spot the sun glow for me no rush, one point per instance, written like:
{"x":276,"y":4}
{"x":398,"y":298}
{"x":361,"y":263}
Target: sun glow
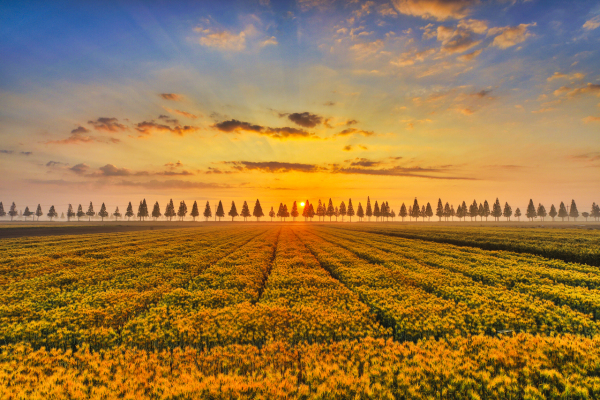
{"x":302,"y":204}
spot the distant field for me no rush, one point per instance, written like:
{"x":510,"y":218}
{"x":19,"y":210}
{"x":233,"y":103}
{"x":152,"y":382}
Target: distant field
{"x":325,"y":311}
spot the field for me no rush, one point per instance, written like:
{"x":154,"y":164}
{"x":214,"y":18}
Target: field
{"x":281,"y":311}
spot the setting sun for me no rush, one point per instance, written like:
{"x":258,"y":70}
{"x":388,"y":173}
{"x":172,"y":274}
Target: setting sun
{"x":302,"y":204}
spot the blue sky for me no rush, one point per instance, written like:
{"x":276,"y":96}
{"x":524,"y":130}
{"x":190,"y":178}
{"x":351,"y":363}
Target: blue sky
{"x":296,"y":99}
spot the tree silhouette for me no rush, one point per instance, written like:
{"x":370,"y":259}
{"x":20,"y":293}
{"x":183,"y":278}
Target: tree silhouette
{"x":531,"y":213}
{"x":336,"y":213}
{"x":257,"y":212}
{"x":439,"y":211}
{"x":330,"y":211}
{"x":541,"y":211}
{"x":452,"y":213}
{"x":156,"y":211}
{"x":552,"y":212}
{"x":272,"y":213}
{"x":393,"y":215}
{"x":359,"y":212}
{"x":507,"y":211}
{"x":27,"y":213}
{"x":403,"y":212}
{"x":220,"y":211}
{"x":447,"y":212}
{"x":182,"y":210}
{"x":562,"y":211}
{"x":2,"y":212}
{"x":429,"y":211}
{"x":369,"y":211}
{"x":233,"y":211}
{"x":128,"y":212}
{"x":62,"y":215}
{"x":117,"y":214}
{"x":573,"y":211}
{"x":480,"y":212}
{"x":497,"y":210}
{"x":416,"y":210}
{"x":90,"y":212}
{"x":70,"y":213}
{"x":285,"y":213}
{"x":13,"y":211}
{"x":280,"y":212}
{"x":305,"y":210}
{"x":38,"y":211}
{"x":350,"y":211}
{"x":376,"y":211}
{"x":80,"y":212}
{"x":321,"y":211}
{"x":410,"y":213}
{"x":245,"y":211}
{"x":473,"y":210}
{"x":52,"y":213}
{"x":295,"y":212}
{"x":195,"y":212}
{"x":311,"y":212}
{"x":103,"y":213}
{"x":170,"y":210}
{"x":423,"y":212}
{"x":207,"y":211}
{"x":486,"y":210}
{"x":143,"y":210}
{"x":585,"y":215}
{"x":343,"y":211}
{"x":595,"y":211}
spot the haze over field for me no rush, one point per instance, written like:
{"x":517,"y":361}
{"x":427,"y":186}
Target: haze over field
{"x":285,"y":101}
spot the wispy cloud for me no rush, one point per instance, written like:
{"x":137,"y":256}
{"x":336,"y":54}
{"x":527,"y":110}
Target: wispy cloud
{"x":435,"y":9}
{"x":509,"y":36}
{"x":171,"y":96}
{"x":235,"y":126}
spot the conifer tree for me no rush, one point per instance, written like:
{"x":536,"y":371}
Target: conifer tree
{"x":439,"y":212}
{"x":403,"y":212}
{"x":318,"y":210}
{"x":103,"y":213}
{"x":359,"y":212}
{"x":27,"y":213}
{"x":585,"y":215}
{"x":245,"y":211}
{"x":507,"y":211}
{"x":70,"y":213}
{"x":459,"y":212}
{"x":541,"y":211}
{"x":573,"y":211}
{"x":38,"y":211}
{"x":62,"y":215}
{"x":410,"y":213}
{"x":497,"y":210}
{"x":350,"y":211}
{"x":13,"y":211}
{"x":280,"y":212}
{"x":311,"y":212}
{"x":294,"y":211}
{"x":447,"y":211}
{"x":195,"y":212}
{"x":343,"y":211}
{"x":480,"y":212}
{"x":322,"y":211}
{"x":429,"y":211}
{"x":90,"y":212}
{"x":207,"y":211}
{"x":128,"y":212}
{"x":330,"y":211}
{"x":272,"y":213}
{"x":140,"y":211}
{"x":562,"y":211}
{"x":52,"y":213}
{"x":143,"y":210}
{"x":117,"y":214}
{"x":423,"y":212}
{"x":388,"y":211}
{"x":170,"y":210}
{"x":376,"y":211}
{"x":486,"y":210}
{"x":518,"y":214}
{"x":285,"y":213}
{"x":552,"y":212}
{"x":80,"y":212}
{"x":531,"y":213}
{"x":305,"y":210}
{"x":595,"y":211}
{"x":2,"y":212}
{"x":258,"y":212}
{"x":156,"y":211}
{"x":452,"y":213}
{"x":220,"y":211}
{"x":369,"y":211}
{"x":392,"y":214}
{"x":233,"y":211}
{"x":416,"y":210}
{"x":473,"y":210}
{"x":336,"y":213}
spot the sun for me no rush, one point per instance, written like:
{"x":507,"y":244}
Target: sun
{"x":302,"y":204}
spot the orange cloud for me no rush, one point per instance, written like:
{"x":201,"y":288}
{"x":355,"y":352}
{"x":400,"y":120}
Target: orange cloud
{"x":171,"y":96}
{"x":509,"y":36}
{"x":435,"y":9}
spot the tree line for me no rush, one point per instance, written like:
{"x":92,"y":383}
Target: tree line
{"x":381,"y":211}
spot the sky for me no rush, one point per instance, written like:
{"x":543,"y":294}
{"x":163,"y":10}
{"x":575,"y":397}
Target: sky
{"x":115,"y":101}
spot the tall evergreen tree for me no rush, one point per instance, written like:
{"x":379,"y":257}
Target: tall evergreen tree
{"x":369,"y":211}
{"x":52,"y":213}
{"x":2,"y":212}
{"x":103,"y":213}
{"x":497,"y":210}
{"x":70,"y":213}
{"x":128,"y":212}
{"x":195,"y":212}
{"x":595,"y":211}
{"x":447,"y":211}
{"x":27,"y":213}
{"x":392,"y":214}
{"x":311,"y":212}
{"x":376,"y":211}
{"x":286,"y":213}
{"x":257,"y":212}
{"x":13,"y":211}
{"x":531,"y":213}
{"x":452,"y":213}
{"x":350,"y":211}
{"x":573,"y":213}
{"x":143,"y":210}
{"x":336,"y":213}
{"x":233,"y":211}
{"x":481,"y":212}
{"x":220,"y":211}
{"x":170,"y":210}
{"x":439,"y":211}
{"x":473,"y":210}
{"x":552,"y":212}
{"x":207,"y":211}
{"x":403,"y":212}
{"x":295,"y":212}
{"x":359,"y":212}
{"x":90,"y":212}
{"x":429,"y":211}
{"x":562,"y":211}
{"x":305,"y":210}
{"x":410,"y":213}
{"x":80,"y":212}
{"x":280,"y":212}
{"x":416,"y":210}
{"x":343,"y":211}
{"x":272,"y":213}
{"x":486,"y":210}
{"x":117,"y":214}
{"x":507,"y":211}
{"x":156,"y":211}
{"x":541,"y":211}
{"x":330,"y":211}
{"x":245,"y":211}
{"x":321,"y":210}
{"x":518,"y":214}
{"x":38,"y":211}
{"x":423,"y":212}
